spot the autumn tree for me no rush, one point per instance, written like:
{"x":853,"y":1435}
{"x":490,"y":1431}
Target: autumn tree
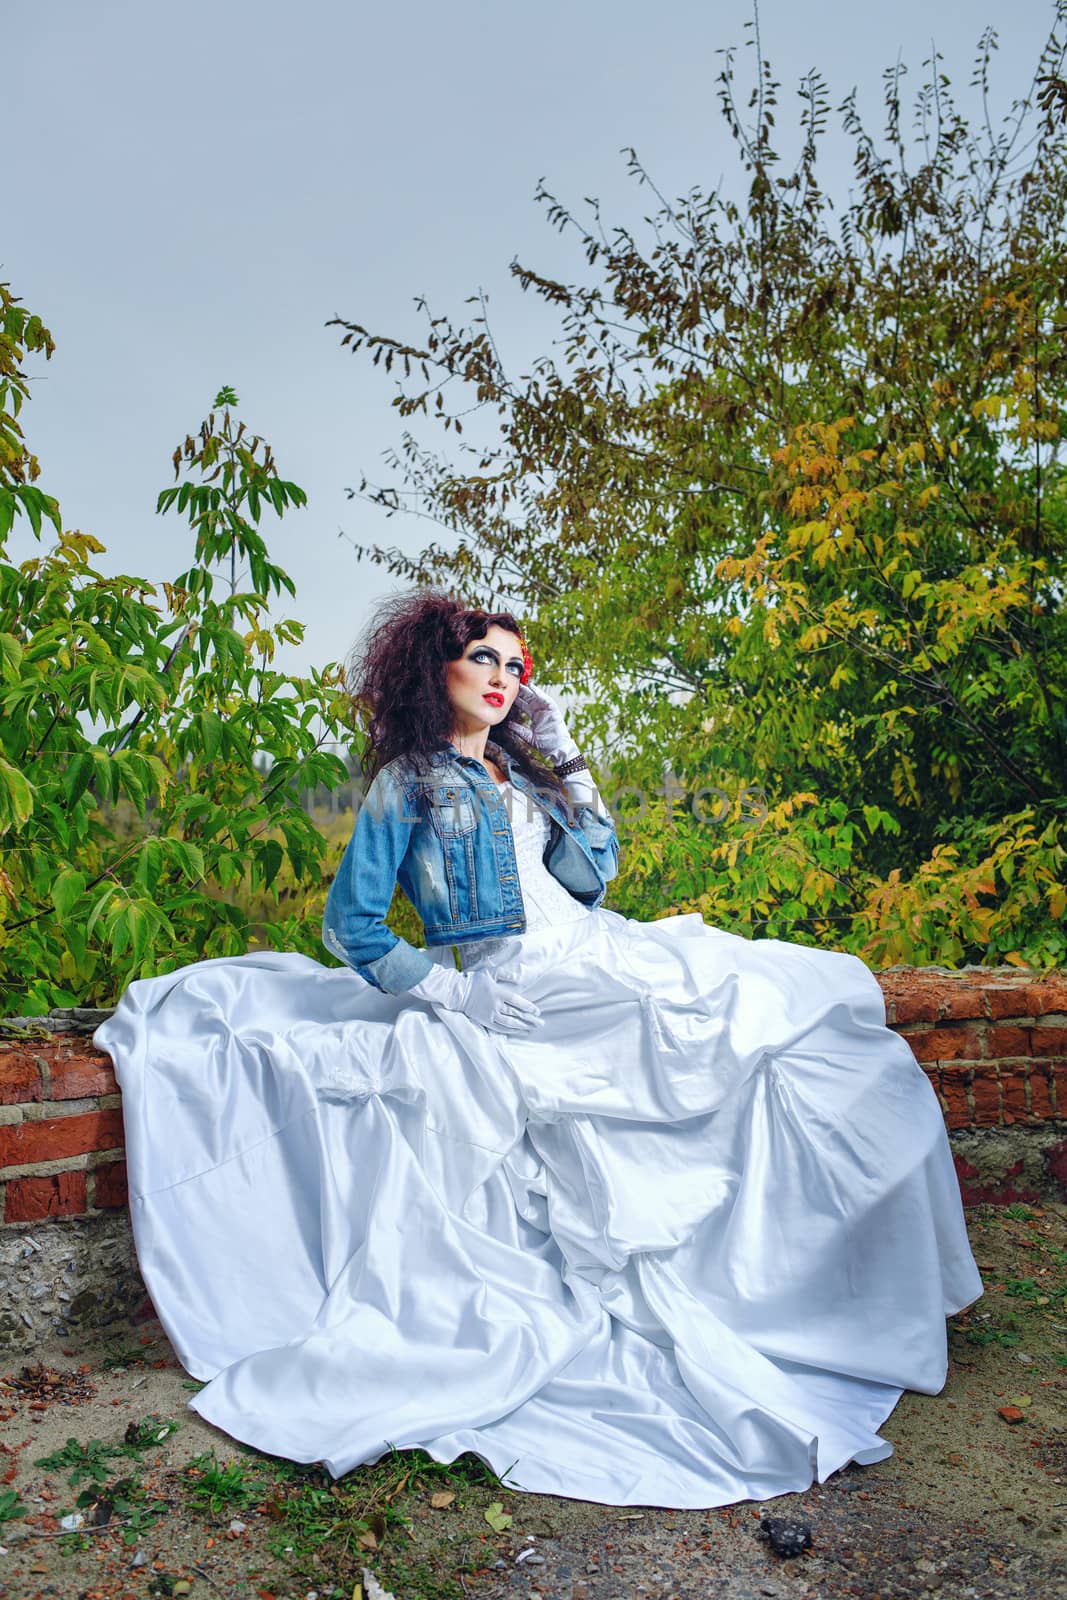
{"x":791,"y":499}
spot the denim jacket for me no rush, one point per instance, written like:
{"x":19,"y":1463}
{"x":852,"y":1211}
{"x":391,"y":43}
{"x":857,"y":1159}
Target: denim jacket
{"x":441,"y":830}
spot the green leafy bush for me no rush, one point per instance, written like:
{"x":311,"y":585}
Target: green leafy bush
{"x":162,"y":703}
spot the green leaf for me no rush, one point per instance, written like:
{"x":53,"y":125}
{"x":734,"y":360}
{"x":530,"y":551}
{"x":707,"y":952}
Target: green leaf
{"x":16,"y":796}
{"x":192,"y":861}
{"x":497,"y":1518}
{"x":10,"y":656}
{"x":271,"y":857}
{"x":7,"y":512}
{"x":227,"y":868}
{"x":67,"y":889}
{"x":149,"y":864}
{"x":107,"y":773}
{"x":119,"y":930}
{"x":141,"y":923}
{"x":78,"y":776}
{"x":211,"y":733}
{"x":126,"y":765}
{"x":99,"y":908}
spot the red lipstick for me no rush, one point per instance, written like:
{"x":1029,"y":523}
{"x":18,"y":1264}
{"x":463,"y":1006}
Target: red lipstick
{"x":494,"y":699}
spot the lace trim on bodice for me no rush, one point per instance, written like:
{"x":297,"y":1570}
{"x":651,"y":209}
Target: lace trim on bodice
{"x":545,"y":901}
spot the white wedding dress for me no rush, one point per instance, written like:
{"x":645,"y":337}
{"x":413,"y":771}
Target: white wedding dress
{"x":684,"y":1244}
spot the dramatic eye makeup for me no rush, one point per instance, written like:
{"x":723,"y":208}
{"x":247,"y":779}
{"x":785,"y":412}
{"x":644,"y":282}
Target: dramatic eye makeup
{"x":487,"y":650}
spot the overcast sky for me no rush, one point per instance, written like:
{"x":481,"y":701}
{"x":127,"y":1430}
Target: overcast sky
{"x":196,"y":189}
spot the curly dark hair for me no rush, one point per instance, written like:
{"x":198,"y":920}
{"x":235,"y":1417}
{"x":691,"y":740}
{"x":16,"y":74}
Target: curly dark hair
{"x":396,"y":678}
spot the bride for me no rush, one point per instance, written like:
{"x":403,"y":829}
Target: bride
{"x":638,"y":1212}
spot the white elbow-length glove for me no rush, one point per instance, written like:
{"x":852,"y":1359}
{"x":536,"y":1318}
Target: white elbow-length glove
{"x":541,"y":723}
{"x":487,"y":998}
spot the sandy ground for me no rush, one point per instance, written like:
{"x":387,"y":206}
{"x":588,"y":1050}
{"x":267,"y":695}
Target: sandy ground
{"x":972,"y":1503}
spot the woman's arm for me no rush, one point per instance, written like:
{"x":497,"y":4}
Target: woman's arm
{"x":598,"y":826}
{"x":353,"y":924}
{"x":547,"y":730}
{"x":593,"y":817}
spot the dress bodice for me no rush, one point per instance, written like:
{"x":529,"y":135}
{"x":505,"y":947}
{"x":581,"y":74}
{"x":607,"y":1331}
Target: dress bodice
{"x":545,"y":901}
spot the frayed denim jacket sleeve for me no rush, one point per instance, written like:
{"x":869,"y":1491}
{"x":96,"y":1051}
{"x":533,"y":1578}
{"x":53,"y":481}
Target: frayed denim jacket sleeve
{"x":601,"y":837}
{"x":353,"y":924}
{"x":598,"y":826}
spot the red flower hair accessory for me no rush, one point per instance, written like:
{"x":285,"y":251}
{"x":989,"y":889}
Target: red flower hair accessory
{"x":527,"y":661}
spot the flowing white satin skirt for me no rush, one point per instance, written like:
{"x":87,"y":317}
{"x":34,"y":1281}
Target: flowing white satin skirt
{"x":686,"y":1244}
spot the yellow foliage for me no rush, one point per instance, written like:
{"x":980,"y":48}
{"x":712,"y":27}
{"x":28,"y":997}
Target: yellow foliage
{"x":74,"y":548}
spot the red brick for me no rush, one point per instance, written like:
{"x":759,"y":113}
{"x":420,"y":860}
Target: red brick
{"x":1003,"y":1042}
{"x":955,"y":1081}
{"x":1046,"y":1040}
{"x":921,"y":1042}
{"x":1049,"y":994}
{"x":75,"y":1069}
{"x":1040,"y":1090}
{"x":905,"y":1000}
{"x":960,"y":1003}
{"x":1013,"y":1092}
{"x":77,"y":1076}
{"x":957,"y":999}
{"x":986,"y":1091}
{"x":31,"y":1199}
{"x":920,"y":996}
{"x":55,"y":1137}
{"x":948,"y":1043}
{"x":20,"y":1078}
{"x":109,"y":1185}
{"x":1006,"y":999}
{"x":935,"y":1084}
{"x":1057,"y":1071}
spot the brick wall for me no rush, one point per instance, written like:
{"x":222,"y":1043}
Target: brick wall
{"x":61,"y":1137}
{"x":993,"y":1042}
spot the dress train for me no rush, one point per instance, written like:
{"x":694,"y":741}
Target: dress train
{"x":683,"y":1245}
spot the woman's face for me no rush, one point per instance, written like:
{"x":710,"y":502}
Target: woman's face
{"x":491,"y":666}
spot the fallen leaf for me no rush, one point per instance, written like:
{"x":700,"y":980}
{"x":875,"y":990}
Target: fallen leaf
{"x":368,"y":1540}
{"x":497,"y":1517}
{"x":443,"y":1497}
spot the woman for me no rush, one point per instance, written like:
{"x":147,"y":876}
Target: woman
{"x":640,"y":1213}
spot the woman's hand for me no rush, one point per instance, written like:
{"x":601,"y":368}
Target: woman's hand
{"x":499,"y":1006}
{"x":543,"y":724}
{"x":490,"y":999}
{"x":547,"y":730}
